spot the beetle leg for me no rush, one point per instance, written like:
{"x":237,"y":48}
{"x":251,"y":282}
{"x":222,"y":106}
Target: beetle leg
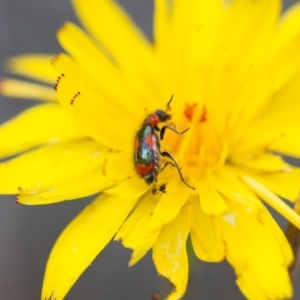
{"x":167,"y":163}
{"x":172,"y":124}
{"x":154,"y":190}
{"x":163,"y":129}
{"x":162,"y":189}
{"x":167,"y":154}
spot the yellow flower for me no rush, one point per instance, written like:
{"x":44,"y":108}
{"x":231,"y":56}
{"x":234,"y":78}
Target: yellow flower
{"x":234,"y":71}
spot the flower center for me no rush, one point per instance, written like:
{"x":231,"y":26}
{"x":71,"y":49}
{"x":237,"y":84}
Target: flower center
{"x":202,"y":146}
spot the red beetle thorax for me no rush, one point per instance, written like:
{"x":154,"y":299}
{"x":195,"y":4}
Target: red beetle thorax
{"x":152,"y":120}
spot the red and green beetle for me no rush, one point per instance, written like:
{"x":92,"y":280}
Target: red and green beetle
{"x":147,"y":148}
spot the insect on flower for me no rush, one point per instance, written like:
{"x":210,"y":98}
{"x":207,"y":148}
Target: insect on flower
{"x":147,"y":148}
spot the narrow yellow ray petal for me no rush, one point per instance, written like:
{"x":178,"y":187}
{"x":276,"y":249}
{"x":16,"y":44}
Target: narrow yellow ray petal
{"x":253,"y":26}
{"x":118,"y":166}
{"x":136,"y":59}
{"x":287,"y":64}
{"x":257,"y":268}
{"x":78,"y":79}
{"x":48,"y":174}
{"x":81,"y":241}
{"x":266,"y":162}
{"x":190,"y":23}
{"x":206,"y":235}
{"x":91,"y":59}
{"x":169,"y":253}
{"x":267,"y":220}
{"x":229,"y":184}
{"x":47,"y":123}
{"x":112,"y":14}
{"x":256,"y":75}
{"x":234,"y":17}
{"x":142,"y":248}
{"x":77,"y":188}
{"x":211,"y":201}
{"x":263,"y":24}
{"x":161,"y":24}
{"x":288,"y":142}
{"x":285,"y":184}
{"x":163,"y":44}
{"x":132,"y":231}
{"x":26,"y":90}
{"x":253,"y":206}
{"x":289,"y":25}
{"x":288,"y":29}
{"x":170,"y":203}
{"x":132,"y":187}
{"x":115,"y":128}
{"x":277,"y":132}
{"x":136,"y":233}
{"x":190,"y":14}
{"x":284,"y":102}
{"x":240,"y":62}
{"x":36,"y":66}
{"x":273,"y":200}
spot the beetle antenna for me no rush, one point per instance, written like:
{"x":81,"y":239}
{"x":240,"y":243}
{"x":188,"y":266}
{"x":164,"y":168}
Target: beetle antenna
{"x":168,"y":104}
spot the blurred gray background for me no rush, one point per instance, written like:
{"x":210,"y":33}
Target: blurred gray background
{"x":27,"y":233}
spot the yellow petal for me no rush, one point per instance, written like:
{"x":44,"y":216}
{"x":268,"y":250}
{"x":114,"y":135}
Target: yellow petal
{"x":206,"y":235}
{"x":91,"y":59}
{"x":170,"y":203}
{"x":266,"y":219}
{"x":161,"y":24}
{"x":287,"y":140}
{"x":273,"y":200}
{"x":287,"y":64}
{"x":179,"y":23}
{"x":266,"y":162}
{"x":268,"y":13}
{"x":49,"y":174}
{"x":115,"y":31}
{"x":81,"y":242}
{"x":277,"y":132}
{"x":258,"y":251}
{"x":285,"y":48}
{"x":211,"y":201}
{"x":136,"y":232}
{"x":169,"y":253}
{"x":289,"y":25}
{"x":144,"y":247}
{"x":102,"y":118}
{"x":26,"y":90}
{"x":113,"y":22}
{"x":229,"y":184}
{"x":162,"y":44}
{"x":255,"y":76}
{"x":131,"y":187}
{"x":240,"y":62}
{"x":118,"y":166}
{"x":285,"y":101}
{"x":48,"y":123}
{"x":36,"y":66}
{"x":285,"y":184}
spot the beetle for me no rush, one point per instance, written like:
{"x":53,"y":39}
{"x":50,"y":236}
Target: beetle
{"x":147,"y":148}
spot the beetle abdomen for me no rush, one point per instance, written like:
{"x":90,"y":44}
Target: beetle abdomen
{"x":146,"y":154}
